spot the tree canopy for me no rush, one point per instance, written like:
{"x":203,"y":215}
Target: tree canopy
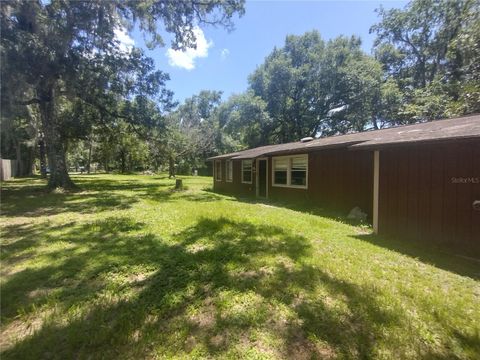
{"x":313,"y":87}
{"x":57,"y":50}
{"x":428,"y":49}
{"x":74,"y":96}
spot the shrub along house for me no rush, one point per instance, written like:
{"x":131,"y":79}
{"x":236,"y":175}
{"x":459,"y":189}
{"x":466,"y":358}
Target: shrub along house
{"x":421,"y":181}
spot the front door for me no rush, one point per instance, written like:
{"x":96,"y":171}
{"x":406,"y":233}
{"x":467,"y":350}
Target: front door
{"x":262,"y":178}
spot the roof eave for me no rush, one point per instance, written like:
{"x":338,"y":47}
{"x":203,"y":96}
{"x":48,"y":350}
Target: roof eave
{"x":368,"y":145}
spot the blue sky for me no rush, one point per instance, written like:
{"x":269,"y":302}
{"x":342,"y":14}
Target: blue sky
{"x":227,"y":59}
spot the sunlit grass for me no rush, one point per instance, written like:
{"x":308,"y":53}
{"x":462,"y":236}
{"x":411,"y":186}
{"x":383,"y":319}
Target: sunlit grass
{"x":129,"y":268}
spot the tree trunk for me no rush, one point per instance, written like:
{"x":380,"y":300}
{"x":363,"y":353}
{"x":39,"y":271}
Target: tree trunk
{"x":29,"y":161}
{"x":122,"y":162}
{"x":31,"y":153}
{"x":56,"y":147}
{"x":105,"y":164}
{"x":19,"y":168}
{"x":171,"y":167}
{"x":89,"y":155}
{"x":43,"y":158}
{"x":423,"y":73}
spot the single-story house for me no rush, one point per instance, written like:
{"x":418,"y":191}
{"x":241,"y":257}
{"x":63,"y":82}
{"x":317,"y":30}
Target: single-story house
{"x":421,"y":181}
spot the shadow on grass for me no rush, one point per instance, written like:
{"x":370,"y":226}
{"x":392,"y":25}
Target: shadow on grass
{"x":172,"y":195}
{"x":212,"y":291}
{"x":440,"y":257}
{"x":28,"y":198}
{"x":22,"y":198}
{"x":304,"y":206}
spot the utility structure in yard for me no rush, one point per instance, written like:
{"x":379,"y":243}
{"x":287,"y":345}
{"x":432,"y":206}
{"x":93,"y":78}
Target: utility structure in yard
{"x":420,"y":181}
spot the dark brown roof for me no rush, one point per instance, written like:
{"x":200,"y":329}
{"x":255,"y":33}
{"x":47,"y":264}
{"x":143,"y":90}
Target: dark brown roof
{"x":451,"y":129}
{"x":456,"y":128}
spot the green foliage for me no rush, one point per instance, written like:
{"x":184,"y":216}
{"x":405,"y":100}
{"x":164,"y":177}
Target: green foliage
{"x":67,"y":81}
{"x":131,"y":152}
{"x":77,"y":155}
{"x":66,"y":57}
{"x":286,"y":83}
{"x":425,"y":68}
{"x":245,"y":117}
{"x":315,"y":88}
{"x":430,"y":48}
{"x":19,"y":137}
{"x":192,"y":133}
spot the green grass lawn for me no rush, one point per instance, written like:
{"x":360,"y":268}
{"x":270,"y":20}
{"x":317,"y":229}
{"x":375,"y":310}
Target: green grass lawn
{"x":128,"y":268}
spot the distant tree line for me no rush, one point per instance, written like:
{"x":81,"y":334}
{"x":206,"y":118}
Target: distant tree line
{"x":72,"y":97}
{"x":425,"y":66}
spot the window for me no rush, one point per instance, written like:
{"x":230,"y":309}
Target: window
{"x":280,"y":171}
{"x":218,"y":170}
{"x":247,"y":171}
{"x":290,"y":171}
{"x":299,"y":171}
{"x":229,"y":166}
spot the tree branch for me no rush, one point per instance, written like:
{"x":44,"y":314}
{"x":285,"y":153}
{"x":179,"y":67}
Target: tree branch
{"x":103,"y":109}
{"x":29,"y":102}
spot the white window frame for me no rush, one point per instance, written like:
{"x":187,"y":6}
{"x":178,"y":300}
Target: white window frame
{"x":251,"y":172}
{"x":289,"y":171}
{"x":216,"y":173}
{"x":227,"y":164}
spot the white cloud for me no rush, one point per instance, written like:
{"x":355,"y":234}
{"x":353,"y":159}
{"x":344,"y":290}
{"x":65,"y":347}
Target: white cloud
{"x":126,"y":42}
{"x":186,"y":59}
{"x":224,"y":54}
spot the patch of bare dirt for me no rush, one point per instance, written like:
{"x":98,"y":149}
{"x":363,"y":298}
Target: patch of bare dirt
{"x":16,"y":221}
{"x":287,"y":264}
{"x":137,"y":278}
{"x":39,"y":293}
{"x":19,"y":329}
{"x":300,"y":348}
{"x":195,"y":248}
{"x":204,"y":319}
{"x":253,"y":274}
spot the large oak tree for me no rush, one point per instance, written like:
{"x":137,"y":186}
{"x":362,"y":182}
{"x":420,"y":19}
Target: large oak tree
{"x":63,"y":52}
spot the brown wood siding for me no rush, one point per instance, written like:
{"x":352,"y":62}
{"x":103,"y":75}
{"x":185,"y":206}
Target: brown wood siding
{"x":337,"y":179}
{"x":236,"y":186}
{"x":341,"y":179}
{"x":418,"y":199}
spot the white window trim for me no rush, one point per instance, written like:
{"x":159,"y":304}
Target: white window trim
{"x":251,"y":172}
{"x":215,"y":168}
{"x":226,"y":170}
{"x":289,"y":171}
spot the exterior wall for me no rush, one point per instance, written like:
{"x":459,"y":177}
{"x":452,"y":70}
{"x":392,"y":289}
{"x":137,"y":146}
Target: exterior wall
{"x":426,"y":193}
{"x":338,"y":179}
{"x":235,"y":187}
{"x":342,"y":179}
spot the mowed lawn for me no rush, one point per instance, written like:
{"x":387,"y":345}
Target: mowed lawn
{"x":128,"y":268}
